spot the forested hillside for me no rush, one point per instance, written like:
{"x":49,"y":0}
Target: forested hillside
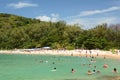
{"x":21,"y":32}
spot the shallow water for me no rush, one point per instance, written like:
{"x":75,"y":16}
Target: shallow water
{"x":41,"y":67}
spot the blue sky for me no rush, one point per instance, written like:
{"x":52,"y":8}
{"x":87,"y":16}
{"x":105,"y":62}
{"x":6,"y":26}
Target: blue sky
{"x":87,"y":13}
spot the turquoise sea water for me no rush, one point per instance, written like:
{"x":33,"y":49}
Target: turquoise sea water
{"x":41,"y":67}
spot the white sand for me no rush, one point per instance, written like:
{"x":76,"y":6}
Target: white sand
{"x":77,"y":52}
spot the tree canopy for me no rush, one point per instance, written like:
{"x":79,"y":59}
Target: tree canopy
{"x":20,"y":32}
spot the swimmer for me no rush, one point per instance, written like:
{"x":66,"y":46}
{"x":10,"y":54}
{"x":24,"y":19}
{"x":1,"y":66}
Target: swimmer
{"x":89,"y":72}
{"x":89,"y":65}
{"x":94,"y":66}
{"x":92,"y":56}
{"x":105,"y":66}
{"x":94,"y":71}
{"x":53,"y":63}
{"x":115,"y":70}
{"x":93,"y":60}
{"x":98,"y":71}
{"x":41,"y":61}
{"x":54,"y":69}
{"x":72,"y":70}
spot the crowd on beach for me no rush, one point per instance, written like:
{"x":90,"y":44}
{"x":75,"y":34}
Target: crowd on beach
{"x":76,"y":52}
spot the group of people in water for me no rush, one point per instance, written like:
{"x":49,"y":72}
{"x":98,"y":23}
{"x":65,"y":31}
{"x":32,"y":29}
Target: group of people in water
{"x":104,"y":66}
{"x":91,"y":60}
{"x":90,"y":72}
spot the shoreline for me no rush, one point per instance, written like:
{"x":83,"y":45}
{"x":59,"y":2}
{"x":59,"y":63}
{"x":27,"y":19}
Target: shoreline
{"x":76,"y":52}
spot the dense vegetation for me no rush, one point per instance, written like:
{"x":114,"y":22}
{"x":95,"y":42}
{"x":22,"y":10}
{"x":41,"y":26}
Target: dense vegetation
{"x":21,"y":32}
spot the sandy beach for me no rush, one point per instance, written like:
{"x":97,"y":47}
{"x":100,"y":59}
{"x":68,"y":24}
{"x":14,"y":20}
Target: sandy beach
{"x":77,"y":52}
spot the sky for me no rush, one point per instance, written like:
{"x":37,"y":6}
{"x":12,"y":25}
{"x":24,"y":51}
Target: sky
{"x":87,"y":13}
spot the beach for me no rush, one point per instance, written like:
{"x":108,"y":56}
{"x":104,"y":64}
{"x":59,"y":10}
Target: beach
{"x":76,"y":52}
{"x":32,"y":64}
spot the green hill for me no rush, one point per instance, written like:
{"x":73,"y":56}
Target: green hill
{"x":10,"y":20}
{"x":20,"y":32}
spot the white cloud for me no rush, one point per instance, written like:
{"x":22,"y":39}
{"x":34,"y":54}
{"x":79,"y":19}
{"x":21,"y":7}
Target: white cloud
{"x":92,"y":22}
{"x":21,"y":5}
{"x":53,"y":17}
{"x":92,"y":12}
{"x":43,"y":18}
{"x":86,"y":23}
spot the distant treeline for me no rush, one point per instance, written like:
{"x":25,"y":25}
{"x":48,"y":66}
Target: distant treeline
{"x":21,"y":32}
